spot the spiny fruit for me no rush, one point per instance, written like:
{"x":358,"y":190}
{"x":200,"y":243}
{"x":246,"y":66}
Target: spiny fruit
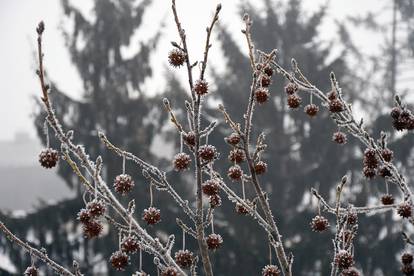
{"x":210,"y":187}
{"x":215,"y":201}
{"x":96,"y":208}
{"x":261,"y":95}
{"x":189,"y":138}
{"x":119,"y":260}
{"x":123,"y":184}
{"x":201,"y":87}
{"x":151,"y":215}
{"x":407,"y":258}
{"x":344,"y":259}
{"x":265,"y":81}
{"x":184,"y":258}
{"x":387,"y":154}
{"x":233,"y":139}
{"x":181,"y":161}
{"x":271,"y":270}
{"x":294,"y":101}
{"x":169,"y":271}
{"x":235,"y":173}
{"x":130,"y":244}
{"x":240,"y":209}
{"x":291,"y":88}
{"x":339,"y":137}
{"x":176,"y":57}
{"x":387,"y":199}
{"x":48,"y":158}
{"x":84,"y":216}
{"x":237,"y":156}
{"x":319,"y":223}
{"x":352,"y":271}
{"x":311,"y":110}
{"x":207,"y":152}
{"x":336,"y":106}
{"x":260,"y":167}
{"x":404,"y":210}
{"x":92,"y":229}
{"x":214,"y":241}
{"x":268,"y":70}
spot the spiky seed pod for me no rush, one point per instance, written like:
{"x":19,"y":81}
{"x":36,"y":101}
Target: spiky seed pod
{"x":291,"y":88}
{"x":407,"y":270}
{"x":332,"y":95}
{"x":96,"y":208}
{"x":84,"y":216}
{"x":176,"y":57}
{"x":268,"y":70}
{"x":233,"y":139}
{"x":123,"y":184}
{"x":210,"y":187}
{"x":339,"y":137}
{"x":265,"y":81}
{"x":31,"y":271}
{"x":387,"y":199}
{"x":119,"y":260}
{"x":271,"y":270}
{"x":405,"y":114}
{"x":201,"y":87}
{"x":237,"y":155}
{"x":169,"y":271}
{"x":260,"y":167}
{"x":181,"y":161}
{"x":240,"y":209}
{"x":336,"y":106}
{"x":130,"y":245}
{"x":344,"y":259}
{"x":215,"y":201}
{"x":214,"y":241}
{"x":189,"y":138}
{"x":261,"y":95}
{"x":352,"y":218}
{"x":92,"y":229}
{"x":311,"y":110}
{"x":350,"y":272}
{"x":184,"y":258}
{"x":404,"y":210}
{"x":399,"y":124}
{"x":294,"y":101}
{"x":207,"y":152}
{"x":395,"y":113}
{"x":387,"y":154}
{"x":151,"y":215}
{"x":406,"y":258}
{"x":370,"y":158}
{"x":383,"y":171}
{"x":235,"y":173}
{"x":319,"y":224}
{"x":48,"y":158}
{"x":368,"y":172}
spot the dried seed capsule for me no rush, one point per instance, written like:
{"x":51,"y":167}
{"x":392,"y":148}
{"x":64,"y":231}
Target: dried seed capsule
{"x":235,"y":173}
{"x":240,"y":209}
{"x":169,"y":271}
{"x":311,"y":110}
{"x":214,"y":241}
{"x":189,"y":138}
{"x":407,"y":258}
{"x":237,"y":155}
{"x":291,"y":88}
{"x":215,"y":201}
{"x":130,"y":244}
{"x":344,"y":259}
{"x":336,"y":106}
{"x":404,"y":210}
{"x":387,"y":154}
{"x":48,"y":158}
{"x":368,"y":172}
{"x":407,"y":270}
{"x":119,"y":260}
{"x":176,"y":57}
{"x":84,"y":216}
{"x":181,"y":161}
{"x":151,"y":215}
{"x":201,"y":87}
{"x":92,"y":229}
{"x":184,"y":258}
{"x":350,"y":272}
{"x":260,"y":167}
{"x":265,"y":81}
{"x":268,"y":70}
{"x":96,"y":208}
{"x":207,"y":152}
{"x":233,"y":139}
{"x":261,"y":95}
{"x":294,"y":101}
{"x":395,"y":113}
{"x":123,"y":184}
{"x":387,"y":199}
{"x":271,"y":270}
{"x":210,"y":187}
{"x":319,"y":224}
{"x":383,"y":171}
{"x":339,"y":137}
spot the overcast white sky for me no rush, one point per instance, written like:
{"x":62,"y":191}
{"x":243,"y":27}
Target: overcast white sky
{"x":18,"y":19}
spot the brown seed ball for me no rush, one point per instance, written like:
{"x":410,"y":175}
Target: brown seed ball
{"x":84,"y":216}
{"x":48,"y":158}
{"x":210,"y":187}
{"x":96,"y":208}
{"x":207,"y":152}
{"x":352,"y":218}
{"x":240,"y":209}
{"x":268,"y":70}
{"x":344,"y":259}
{"x":383,"y":171}
{"x":336,"y":106}
{"x":265,"y":81}
{"x":407,"y":270}
{"x":332,"y":95}
{"x":176,"y":57}
{"x":368,"y":172}
{"x":291,"y":88}
{"x":201,"y":87}
{"x":370,"y":158}
{"x":184,"y":258}
{"x":260,"y":167}
{"x":130,"y":245}
{"x":181,"y":161}
{"x":271,"y":270}
{"x":404,"y":210}
{"x":189,"y":138}
{"x":399,"y":124}
{"x":215,"y":201}
{"x":237,"y":156}
{"x":261,"y":95}
{"x":407,"y":258}
{"x":92,"y":229}
{"x":294,"y":101}
{"x":235,"y":173}
{"x":31,"y":271}
{"x":350,"y":272}
{"x":119,"y":260}
{"x":152,"y":215}
{"x":395,"y":113}
{"x":232,"y":139}
{"x":214,"y":241}
{"x":387,"y":154}
{"x":123,"y":184}
{"x":319,"y":224}
{"x":169,"y":271}
{"x":387,"y":199}
{"x":311,"y":110}
{"x":339,"y":137}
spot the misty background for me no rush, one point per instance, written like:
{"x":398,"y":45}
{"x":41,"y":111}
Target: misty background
{"x":354,"y":37}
